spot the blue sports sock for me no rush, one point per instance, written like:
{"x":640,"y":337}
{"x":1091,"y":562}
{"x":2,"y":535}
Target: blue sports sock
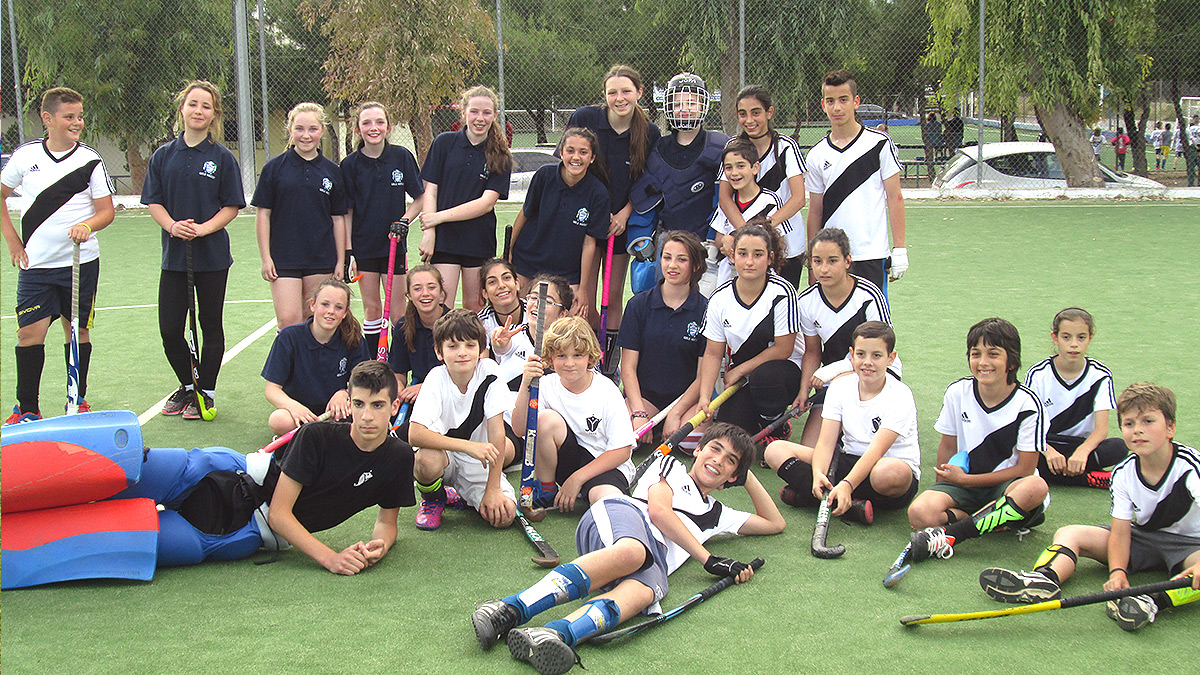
{"x":564,"y":583}
{"x":601,"y":616}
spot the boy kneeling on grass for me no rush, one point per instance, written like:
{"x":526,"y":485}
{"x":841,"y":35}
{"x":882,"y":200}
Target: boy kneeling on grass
{"x":992,"y":429}
{"x":629,"y":545}
{"x":458,"y":426}
{"x":1155,"y":520}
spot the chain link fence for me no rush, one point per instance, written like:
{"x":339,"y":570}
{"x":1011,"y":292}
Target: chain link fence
{"x":916,"y":62}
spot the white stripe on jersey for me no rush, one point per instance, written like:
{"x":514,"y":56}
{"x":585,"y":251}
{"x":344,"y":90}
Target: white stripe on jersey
{"x":834,"y":325}
{"x":1070,"y":407}
{"x":1173,"y":505}
{"x":851,"y":182}
{"x":992,"y":436}
{"x":764,"y":204}
{"x":772,"y":314}
{"x":704,"y":517}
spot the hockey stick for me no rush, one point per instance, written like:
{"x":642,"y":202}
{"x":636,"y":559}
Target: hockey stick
{"x":819,"y":548}
{"x":73,"y":350}
{"x":405,"y":409}
{"x":688,"y":604}
{"x":662,"y":415}
{"x":399,"y":231}
{"x":676,"y":438}
{"x":602,"y":332}
{"x":547,"y":556}
{"x":527,"y":479}
{"x":207,"y":414}
{"x":779,"y":421}
{"x":282,"y":440}
{"x":899,"y":568}
{"x":507,"y":243}
{"x":1061,"y":603}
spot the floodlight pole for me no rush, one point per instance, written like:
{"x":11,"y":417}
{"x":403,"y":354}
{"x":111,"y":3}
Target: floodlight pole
{"x":500,"y":66}
{"x":741,"y":44}
{"x":979,"y":108}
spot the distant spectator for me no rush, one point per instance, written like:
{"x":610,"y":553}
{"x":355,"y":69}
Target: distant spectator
{"x":954,"y":132}
{"x":933,"y":135}
{"x":1097,"y":141}
{"x":1121,"y":143}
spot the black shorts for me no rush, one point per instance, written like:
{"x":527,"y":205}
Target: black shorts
{"x":302,"y":272}
{"x":874,"y":271}
{"x":572,"y":457}
{"x":379,"y":265}
{"x":518,"y":445}
{"x":46,"y":293}
{"x":467,"y":261}
{"x":845,"y":464}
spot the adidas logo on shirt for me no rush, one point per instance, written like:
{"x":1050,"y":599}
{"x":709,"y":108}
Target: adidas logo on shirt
{"x":1048,"y":403}
{"x":34,"y":168}
{"x":817,"y":323}
{"x":827,"y":165}
{"x":367,"y":475}
{"x":726,"y":323}
{"x":965,"y":418}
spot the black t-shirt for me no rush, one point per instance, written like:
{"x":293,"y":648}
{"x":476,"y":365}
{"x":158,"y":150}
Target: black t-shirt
{"x":340,"y":480}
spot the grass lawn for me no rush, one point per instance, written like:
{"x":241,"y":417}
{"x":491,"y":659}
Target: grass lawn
{"x":1126,"y":262}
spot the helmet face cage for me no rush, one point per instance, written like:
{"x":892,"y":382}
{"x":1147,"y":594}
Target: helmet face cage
{"x":686,"y":102}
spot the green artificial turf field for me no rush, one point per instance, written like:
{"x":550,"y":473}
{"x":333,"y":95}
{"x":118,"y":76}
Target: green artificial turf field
{"x":1126,"y":262}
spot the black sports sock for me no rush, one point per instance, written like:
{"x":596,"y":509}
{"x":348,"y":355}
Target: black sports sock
{"x":85,"y":360}
{"x":372,"y":340}
{"x":798,"y":475}
{"x":30,"y":361}
{"x":434,"y":492}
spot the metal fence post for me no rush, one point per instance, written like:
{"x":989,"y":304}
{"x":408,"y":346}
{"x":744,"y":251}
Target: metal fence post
{"x":12,"y":35}
{"x":245,"y":105}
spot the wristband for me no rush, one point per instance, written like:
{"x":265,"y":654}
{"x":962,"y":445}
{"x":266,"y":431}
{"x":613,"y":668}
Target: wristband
{"x":1122,"y":570}
{"x":639,"y":413}
{"x":847,"y":482}
{"x":89,"y":227}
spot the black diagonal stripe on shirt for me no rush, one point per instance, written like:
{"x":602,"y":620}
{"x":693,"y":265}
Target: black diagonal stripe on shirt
{"x":857,"y":173}
{"x":998,"y":446}
{"x":1172,"y":507}
{"x":760,"y":338}
{"x":475,"y":417}
{"x":838,"y":344}
{"x":773,"y":177}
{"x":54,"y":197}
{"x":705,"y":521}
{"x":1077,"y":412}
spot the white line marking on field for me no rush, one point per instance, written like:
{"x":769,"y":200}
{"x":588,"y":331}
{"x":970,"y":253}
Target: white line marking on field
{"x":237,"y":349}
{"x":154,"y":306}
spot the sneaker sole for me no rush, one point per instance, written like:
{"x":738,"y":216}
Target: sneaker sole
{"x":551,"y":657}
{"x":1006,"y":586}
{"x":1128,"y":615}
{"x":485,"y":631}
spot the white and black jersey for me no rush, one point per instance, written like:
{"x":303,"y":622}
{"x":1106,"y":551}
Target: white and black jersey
{"x":491,"y":320}
{"x":444,"y":409}
{"x":992,"y":436}
{"x":763,"y":204}
{"x":704,"y":517}
{"x":1171,"y":505}
{"x":60,"y":188}
{"x":893,"y":408}
{"x":834,"y":325}
{"x":850,"y":180}
{"x":1070,"y":406}
{"x":749,"y":329}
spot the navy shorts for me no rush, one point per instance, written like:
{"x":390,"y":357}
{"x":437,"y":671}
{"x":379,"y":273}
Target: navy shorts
{"x":379,"y":265}
{"x":615,"y":518}
{"x":302,"y":272}
{"x":46,"y":293}
{"x":468,"y":261}
{"x":572,"y":457}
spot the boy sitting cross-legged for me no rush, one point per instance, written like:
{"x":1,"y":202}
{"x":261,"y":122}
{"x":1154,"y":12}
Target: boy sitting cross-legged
{"x":458,"y":424}
{"x":584,"y":435}
{"x":629,"y":545}
{"x":1155,"y":519}
{"x":992,"y":429}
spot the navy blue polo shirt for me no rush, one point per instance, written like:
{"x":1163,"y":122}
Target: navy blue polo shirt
{"x":615,"y":148}
{"x":419,"y":361}
{"x":375,"y":189}
{"x":557,"y":218}
{"x":669,"y":342}
{"x":194,"y":182}
{"x":308,"y":371}
{"x":460,"y":172}
{"x":303,"y":197}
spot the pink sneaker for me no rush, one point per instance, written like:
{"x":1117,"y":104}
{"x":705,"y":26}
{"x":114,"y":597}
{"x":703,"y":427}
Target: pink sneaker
{"x":429,"y":514}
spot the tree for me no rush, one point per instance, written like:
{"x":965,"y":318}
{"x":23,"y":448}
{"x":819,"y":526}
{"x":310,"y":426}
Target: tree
{"x":407,"y":57}
{"x":543,"y":69}
{"x":127,"y":58}
{"x":1059,"y":52}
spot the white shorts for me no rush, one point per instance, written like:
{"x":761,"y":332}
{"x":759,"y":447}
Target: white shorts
{"x":468,"y":476}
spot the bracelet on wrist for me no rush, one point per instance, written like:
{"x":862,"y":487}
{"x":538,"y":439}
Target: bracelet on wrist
{"x":640,"y":413}
{"x":89,"y":227}
{"x":1122,"y":570}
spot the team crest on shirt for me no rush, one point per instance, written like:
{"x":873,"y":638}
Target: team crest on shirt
{"x":693,"y":331}
{"x":697,"y":187}
{"x":483,"y":175}
{"x":326,"y":186}
{"x":209,"y":170}
{"x":593,"y":423}
{"x":875,"y":423}
{"x":581,"y":217}
{"x":342,"y":366}
{"x":397,"y":177}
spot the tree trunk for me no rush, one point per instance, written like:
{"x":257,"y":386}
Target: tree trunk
{"x":1069,"y":136}
{"x":1008,"y":129}
{"x":137,"y":165}
{"x":1185,"y":143}
{"x":801,"y":104}
{"x":1137,"y":131}
{"x":539,"y":124}
{"x":422,"y":131}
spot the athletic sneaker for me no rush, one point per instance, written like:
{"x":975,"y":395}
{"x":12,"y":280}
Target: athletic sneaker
{"x":1018,"y":587}
{"x":792,"y":497}
{"x":1099,"y":479}
{"x":1133,"y":612}
{"x":176,"y":402}
{"x":493,"y":620}
{"x":542,"y":648}
{"x":19,"y":416}
{"x":83,"y":406}
{"x":429,"y":513}
{"x":191,"y":411}
{"x":543,"y":498}
{"x":931,"y":542}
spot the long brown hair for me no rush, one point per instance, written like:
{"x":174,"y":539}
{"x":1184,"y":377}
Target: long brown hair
{"x":349,"y":329}
{"x":411,"y":318}
{"x":639,"y":145}
{"x":216,"y":127}
{"x":495,"y":148}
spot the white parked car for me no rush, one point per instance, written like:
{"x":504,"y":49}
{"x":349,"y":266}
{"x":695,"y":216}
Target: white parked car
{"x":1021,"y":165}
{"x":525,"y":162}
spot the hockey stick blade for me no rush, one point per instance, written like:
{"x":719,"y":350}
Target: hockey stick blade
{"x":819,"y":548}
{"x":671,"y":444}
{"x":899,"y":568}
{"x":547,"y":557}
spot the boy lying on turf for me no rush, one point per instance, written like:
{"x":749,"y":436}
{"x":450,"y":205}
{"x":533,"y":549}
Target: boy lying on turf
{"x":628,"y":546}
{"x":1155,"y":519}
